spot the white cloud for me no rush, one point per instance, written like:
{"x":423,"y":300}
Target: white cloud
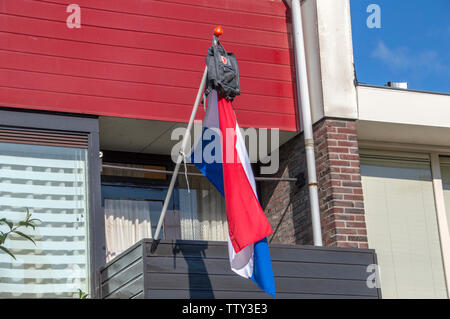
{"x":402,"y":58}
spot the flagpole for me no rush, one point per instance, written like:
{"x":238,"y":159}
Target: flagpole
{"x":218,"y":31}
{"x":180,"y":158}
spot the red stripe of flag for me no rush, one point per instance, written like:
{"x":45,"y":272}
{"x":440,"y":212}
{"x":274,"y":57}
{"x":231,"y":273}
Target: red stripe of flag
{"x":246,"y":220}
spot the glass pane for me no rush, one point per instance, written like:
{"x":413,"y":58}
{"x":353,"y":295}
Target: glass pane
{"x":109,"y":171}
{"x":127,"y":221}
{"x":402,"y":227}
{"x":202,"y":209}
{"x":51,"y":182}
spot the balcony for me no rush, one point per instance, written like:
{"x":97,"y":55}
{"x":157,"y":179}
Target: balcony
{"x":200,"y":269}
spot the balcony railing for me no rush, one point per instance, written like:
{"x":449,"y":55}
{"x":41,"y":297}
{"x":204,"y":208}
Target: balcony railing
{"x":200,"y":269}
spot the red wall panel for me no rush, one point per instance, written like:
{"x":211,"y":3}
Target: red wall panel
{"x":144,"y":58}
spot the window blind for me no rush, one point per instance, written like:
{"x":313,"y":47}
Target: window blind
{"x":41,"y":137}
{"x":445,"y":172}
{"x":402,"y":226}
{"x":45,"y":173}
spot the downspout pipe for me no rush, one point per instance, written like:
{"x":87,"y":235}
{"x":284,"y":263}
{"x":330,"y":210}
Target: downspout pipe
{"x":304,"y":108}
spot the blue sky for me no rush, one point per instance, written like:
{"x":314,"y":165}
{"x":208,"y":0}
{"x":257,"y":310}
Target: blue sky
{"x":412,"y":45}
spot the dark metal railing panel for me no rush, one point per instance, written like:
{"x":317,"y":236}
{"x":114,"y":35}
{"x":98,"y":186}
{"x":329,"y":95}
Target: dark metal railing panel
{"x":200,"y":269}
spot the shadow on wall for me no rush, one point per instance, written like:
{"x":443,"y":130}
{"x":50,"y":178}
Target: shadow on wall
{"x":199,"y":283}
{"x":286,"y":204}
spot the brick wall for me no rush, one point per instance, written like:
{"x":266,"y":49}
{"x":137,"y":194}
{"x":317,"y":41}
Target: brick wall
{"x":287,"y":204}
{"x":340,"y":190}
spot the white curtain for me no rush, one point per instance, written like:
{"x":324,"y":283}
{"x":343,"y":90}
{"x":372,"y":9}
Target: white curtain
{"x":51,"y":182}
{"x":190,"y":228}
{"x":126,"y":222}
{"x":203,"y":214}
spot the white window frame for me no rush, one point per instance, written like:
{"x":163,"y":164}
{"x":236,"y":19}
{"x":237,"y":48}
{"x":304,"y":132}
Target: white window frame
{"x":86,"y":124}
{"x":441,"y":215}
{"x":433,"y":154}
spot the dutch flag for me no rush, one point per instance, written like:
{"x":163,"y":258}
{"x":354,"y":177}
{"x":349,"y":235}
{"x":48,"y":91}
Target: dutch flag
{"x":228,"y":168}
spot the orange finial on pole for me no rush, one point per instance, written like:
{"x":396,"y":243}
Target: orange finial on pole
{"x":218,"y":31}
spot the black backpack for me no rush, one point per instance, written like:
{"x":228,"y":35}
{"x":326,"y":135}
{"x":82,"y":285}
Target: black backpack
{"x":223,"y":72}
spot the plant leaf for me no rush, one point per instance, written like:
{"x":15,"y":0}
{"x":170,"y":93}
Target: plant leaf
{"x":5,"y":221}
{"x":3,"y":237}
{"x":26,"y":224}
{"x":24,"y":236}
{"x":7,"y":251}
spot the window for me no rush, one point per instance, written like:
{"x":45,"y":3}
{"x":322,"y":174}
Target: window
{"x":51,"y":182}
{"x":128,"y":221}
{"x":202,"y":209}
{"x":144,"y":214}
{"x":132,"y":213}
{"x":402,"y":226}
{"x":133,"y":200}
{"x":445,"y":173}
